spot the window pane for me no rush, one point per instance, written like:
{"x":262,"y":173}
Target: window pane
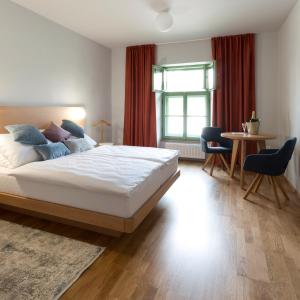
{"x":157,"y":78}
{"x":211,"y":79}
{"x":184,"y":80}
{"x":174,"y":126}
{"x":174,"y":106}
{"x":196,"y":106}
{"x":195,"y":126}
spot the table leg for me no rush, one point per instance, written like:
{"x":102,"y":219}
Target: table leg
{"x":261,"y":145}
{"x":235,"y":149}
{"x":243,"y":153}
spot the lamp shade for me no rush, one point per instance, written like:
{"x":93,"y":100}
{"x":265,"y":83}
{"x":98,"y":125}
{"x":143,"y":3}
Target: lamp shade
{"x":164,"y":21}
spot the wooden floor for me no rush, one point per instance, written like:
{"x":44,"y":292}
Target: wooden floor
{"x":203,"y":241}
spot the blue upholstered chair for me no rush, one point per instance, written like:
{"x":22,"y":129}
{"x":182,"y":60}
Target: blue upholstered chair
{"x":223,"y":146}
{"x":272,"y":163}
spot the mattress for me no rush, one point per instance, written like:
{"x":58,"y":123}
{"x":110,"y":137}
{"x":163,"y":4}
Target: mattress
{"x":109,"y":201}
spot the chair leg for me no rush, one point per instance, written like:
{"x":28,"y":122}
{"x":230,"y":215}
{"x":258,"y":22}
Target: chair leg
{"x":223,"y":160}
{"x":213,"y":165}
{"x":210,"y":156}
{"x":274,"y":185}
{"x":253,"y":183}
{"x":282,"y":189}
{"x":258,"y":184}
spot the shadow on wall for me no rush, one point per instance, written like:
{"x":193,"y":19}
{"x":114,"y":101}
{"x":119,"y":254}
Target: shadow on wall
{"x":296,"y":162}
{"x":117,"y":134}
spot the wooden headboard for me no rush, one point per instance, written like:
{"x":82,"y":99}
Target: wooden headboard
{"x":40,"y":116}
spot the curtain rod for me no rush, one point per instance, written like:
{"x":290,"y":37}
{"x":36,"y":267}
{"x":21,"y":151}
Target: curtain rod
{"x":182,"y":42}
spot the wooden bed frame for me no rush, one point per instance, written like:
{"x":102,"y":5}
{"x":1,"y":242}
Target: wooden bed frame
{"x":95,"y":221}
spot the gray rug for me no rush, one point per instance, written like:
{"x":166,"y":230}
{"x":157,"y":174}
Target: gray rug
{"x":35,"y":264}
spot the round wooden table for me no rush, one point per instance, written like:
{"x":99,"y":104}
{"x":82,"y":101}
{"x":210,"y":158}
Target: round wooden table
{"x":240,"y":137}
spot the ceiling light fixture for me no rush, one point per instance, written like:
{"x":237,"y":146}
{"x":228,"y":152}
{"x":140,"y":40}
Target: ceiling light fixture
{"x":164,"y":21}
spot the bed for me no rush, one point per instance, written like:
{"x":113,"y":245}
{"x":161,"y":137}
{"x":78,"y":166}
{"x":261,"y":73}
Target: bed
{"x":109,"y":189}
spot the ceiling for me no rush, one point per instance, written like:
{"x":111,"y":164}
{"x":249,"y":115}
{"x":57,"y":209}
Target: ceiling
{"x":130,"y":22}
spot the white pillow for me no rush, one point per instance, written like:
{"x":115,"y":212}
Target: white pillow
{"x":4,"y":163}
{"x":15,"y":154}
{"x":91,"y":141}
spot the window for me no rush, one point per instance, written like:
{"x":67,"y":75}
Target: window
{"x":185,"y":99}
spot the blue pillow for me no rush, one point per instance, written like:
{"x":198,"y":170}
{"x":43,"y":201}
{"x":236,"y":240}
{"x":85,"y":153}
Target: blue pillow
{"x":52,"y":151}
{"x":78,"y":145}
{"x":73,"y":128}
{"x":26,"y":134}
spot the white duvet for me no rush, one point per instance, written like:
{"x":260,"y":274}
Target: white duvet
{"x":153,"y":154}
{"x":113,"y":169}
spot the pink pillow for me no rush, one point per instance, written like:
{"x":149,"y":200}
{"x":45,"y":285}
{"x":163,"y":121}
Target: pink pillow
{"x":56,"y":134}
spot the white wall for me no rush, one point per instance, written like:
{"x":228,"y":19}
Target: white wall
{"x":118,"y":93}
{"x":266,"y":76}
{"x":289,"y":87}
{"x":42,"y":63}
{"x":177,"y":53}
{"x":266,"y":65}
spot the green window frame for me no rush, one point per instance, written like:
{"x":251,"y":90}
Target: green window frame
{"x":160,"y":86}
{"x":185,"y":116}
{"x":161,"y":70}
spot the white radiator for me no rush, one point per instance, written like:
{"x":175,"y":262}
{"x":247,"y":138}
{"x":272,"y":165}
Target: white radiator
{"x":186,"y":150}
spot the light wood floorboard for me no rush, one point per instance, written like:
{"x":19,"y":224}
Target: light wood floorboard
{"x":202,"y":241}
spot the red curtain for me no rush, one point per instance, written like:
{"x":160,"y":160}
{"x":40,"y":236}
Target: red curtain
{"x":140,"y":110}
{"x":234,"y":97}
